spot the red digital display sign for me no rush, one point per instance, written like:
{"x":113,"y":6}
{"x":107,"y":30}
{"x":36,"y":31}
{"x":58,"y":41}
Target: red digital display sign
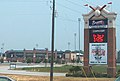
{"x":98,"y":35}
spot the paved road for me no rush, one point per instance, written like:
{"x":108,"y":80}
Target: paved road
{"x":6,"y":70}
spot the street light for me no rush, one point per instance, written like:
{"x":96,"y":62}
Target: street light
{"x":68,"y":45}
{"x":2,"y":50}
{"x":79,"y":36}
{"x":75,"y":40}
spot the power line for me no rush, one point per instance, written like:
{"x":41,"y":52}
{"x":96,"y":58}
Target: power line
{"x":88,"y":2}
{"x":75,"y":3}
{"x":24,"y":1}
{"x":68,"y":8}
{"x":66,"y":19}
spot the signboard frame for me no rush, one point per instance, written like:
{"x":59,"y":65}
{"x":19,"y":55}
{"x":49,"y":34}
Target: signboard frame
{"x":98,"y":38}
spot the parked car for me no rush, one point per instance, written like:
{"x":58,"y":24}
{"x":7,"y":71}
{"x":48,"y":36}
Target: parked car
{"x":5,"y":78}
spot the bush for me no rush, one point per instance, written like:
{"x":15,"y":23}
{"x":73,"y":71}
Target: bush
{"x":1,"y":60}
{"x":58,"y":61}
{"x":109,"y":76}
{"x":78,"y":60}
{"x":63,"y":61}
{"x":69,"y":75}
{"x":118,"y":73}
{"x":14,"y":60}
{"x":37,"y":60}
{"x":23,"y":61}
{"x":29,"y":60}
{"x":75,"y":69}
{"x":104,"y":75}
{"x":45,"y":61}
{"x":73,"y":61}
{"x":49,"y":60}
{"x":98,"y":74}
{"x":77,"y":74}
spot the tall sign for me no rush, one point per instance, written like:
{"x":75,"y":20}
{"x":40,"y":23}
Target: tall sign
{"x":100,"y":39}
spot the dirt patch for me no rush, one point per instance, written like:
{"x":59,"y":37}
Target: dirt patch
{"x":47,"y":78}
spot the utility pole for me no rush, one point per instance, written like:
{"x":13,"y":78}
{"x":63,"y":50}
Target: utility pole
{"x":52,"y":47}
{"x":79,"y":36}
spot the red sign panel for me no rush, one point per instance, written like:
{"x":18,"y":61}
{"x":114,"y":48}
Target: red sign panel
{"x":98,"y":35}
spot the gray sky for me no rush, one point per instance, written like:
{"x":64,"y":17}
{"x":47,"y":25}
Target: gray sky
{"x":25,"y":23}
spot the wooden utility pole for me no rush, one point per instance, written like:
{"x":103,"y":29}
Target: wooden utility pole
{"x":52,"y":47}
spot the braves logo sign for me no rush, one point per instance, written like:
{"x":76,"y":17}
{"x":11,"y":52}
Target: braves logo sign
{"x":98,"y":22}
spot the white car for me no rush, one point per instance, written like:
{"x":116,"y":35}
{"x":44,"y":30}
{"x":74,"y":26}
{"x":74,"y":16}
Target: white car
{"x":5,"y":78}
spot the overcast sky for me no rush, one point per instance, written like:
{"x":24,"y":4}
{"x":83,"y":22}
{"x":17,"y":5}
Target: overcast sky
{"x":27,"y":23}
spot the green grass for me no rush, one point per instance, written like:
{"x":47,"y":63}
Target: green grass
{"x":65,"y":69}
{"x":100,"y":68}
{"x":62,"y":69}
{"x":118,"y":67}
{"x":103,"y":68}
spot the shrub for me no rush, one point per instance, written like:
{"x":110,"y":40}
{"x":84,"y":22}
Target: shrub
{"x":118,"y":73}
{"x":97,"y":74}
{"x":109,"y":76}
{"x":77,"y":74}
{"x":1,"y":60}
{"x":45,"y":61}
{"x":63,"y":61}
{"x":78,"y":60}
{"x":73,"y":61}
{"x":69,"y":75}
{"x":58,"y":61}
{"x":29,"y":60}
{"x":37,"y":60}
{"x":14,"y":60}
{"x":75,"y":69}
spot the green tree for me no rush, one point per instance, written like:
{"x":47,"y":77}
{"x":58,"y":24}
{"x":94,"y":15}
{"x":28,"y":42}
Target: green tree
{"x":1,"y":60}
{"x":45,"y":61}
{"x":73,"y":61}
{"x":29,"y":60}
{"x":37,"y":60}
{"x":78,"y":60}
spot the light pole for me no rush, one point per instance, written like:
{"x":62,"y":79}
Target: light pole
{"x":36,"y":46}
{"x":79,"y":36}
{"x":75,"y":40}
{"x":68,"y":45}
{"x":52,"y":47}
{"x":2,"y":50}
